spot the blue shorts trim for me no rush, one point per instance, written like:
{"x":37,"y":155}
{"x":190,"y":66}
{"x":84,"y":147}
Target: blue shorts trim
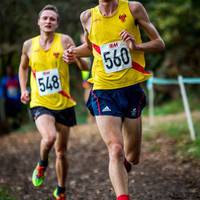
{"x":127,"y":102}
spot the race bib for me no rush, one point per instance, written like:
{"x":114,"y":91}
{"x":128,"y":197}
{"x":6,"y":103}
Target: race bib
{"x":116,"y":56}
{"x":48,"y":82}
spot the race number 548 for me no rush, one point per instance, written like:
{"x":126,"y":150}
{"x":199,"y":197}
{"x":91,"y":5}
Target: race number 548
{"x":48,"y":82}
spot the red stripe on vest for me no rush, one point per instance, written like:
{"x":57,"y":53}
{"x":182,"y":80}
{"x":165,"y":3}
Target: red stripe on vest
{"x":62,"y":92}
{"x":97,"y":48}
{"x":34,"y":73}
{"x":139,"y":68}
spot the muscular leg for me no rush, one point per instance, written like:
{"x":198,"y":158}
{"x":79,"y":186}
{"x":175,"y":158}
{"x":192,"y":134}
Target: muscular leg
{"x":61,"y":149}
{"x":46,"y":127}
{"x":132,"y":139}
{"x":111,"y":131}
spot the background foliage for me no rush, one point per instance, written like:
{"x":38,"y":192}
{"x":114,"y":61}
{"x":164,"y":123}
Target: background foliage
{"x":177,"y":21}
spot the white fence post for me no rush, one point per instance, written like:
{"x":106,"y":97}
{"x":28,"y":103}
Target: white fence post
{"x":186,"y":107}
{"x":151,"y":101}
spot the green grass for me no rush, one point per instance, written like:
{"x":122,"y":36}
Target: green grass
{"x":191,"y":149}
{"x":4,"y":194}
{"x":170,"y":107}
{"x":155,"y":148}
{"x":174,"y":106}
{"x":175,"y":130}
{"x":178,"y":131}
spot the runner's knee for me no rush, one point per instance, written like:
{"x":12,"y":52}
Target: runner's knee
{"x":133,"y":158}
{"x":50,"y":140}
{"x":60,"y":153}
{"x":115,"y":151}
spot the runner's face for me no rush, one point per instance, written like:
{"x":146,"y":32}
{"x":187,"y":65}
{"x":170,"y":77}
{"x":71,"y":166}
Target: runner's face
{"x":48,"y":21}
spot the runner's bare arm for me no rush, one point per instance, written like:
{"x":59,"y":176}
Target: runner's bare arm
{"x":85,"y":19}
{"x":85,"y":49}
{"x":68,"y":45}
{"x":140,"y":14}
{"x":23,"y":71}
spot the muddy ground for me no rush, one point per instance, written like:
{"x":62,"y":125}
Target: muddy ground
{"x":161,"y":175}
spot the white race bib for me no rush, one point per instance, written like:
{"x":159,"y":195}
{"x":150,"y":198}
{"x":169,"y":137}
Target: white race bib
{"x":48,"y":82}
{"x":116,"y":56}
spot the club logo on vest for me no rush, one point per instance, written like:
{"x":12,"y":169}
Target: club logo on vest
{"x":122,"y":17}
{"x":96,"y":20}
{"x":56,"y":54}
{"x":36,"y":50}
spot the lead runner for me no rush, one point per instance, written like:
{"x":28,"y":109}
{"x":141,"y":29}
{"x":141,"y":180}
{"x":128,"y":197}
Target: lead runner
{"x":112,"y":31}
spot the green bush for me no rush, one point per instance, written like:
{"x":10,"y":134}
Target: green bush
{"x":4,"y":194}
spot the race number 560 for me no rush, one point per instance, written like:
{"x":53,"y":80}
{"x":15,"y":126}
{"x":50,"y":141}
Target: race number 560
{"x":115,"y":56}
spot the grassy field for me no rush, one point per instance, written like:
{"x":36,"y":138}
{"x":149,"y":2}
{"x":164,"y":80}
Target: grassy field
{"x":174,"y":106}
{"x":170,"y":121}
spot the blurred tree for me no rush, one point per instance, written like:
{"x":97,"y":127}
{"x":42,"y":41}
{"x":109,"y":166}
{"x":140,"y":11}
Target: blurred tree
{"x":179,"y":24}
{"x":178,"y":21}
{"x":18,"y":22}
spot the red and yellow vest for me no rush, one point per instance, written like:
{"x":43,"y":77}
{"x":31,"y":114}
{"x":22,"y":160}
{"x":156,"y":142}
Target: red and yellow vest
{"x":49,"y":76}
{"x":105,"y":34}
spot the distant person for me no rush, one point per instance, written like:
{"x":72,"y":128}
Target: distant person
{"x":117,"y":99}
{"x":86,"y":74}
{"x":11,"y":96}
{"x":51,"y":104}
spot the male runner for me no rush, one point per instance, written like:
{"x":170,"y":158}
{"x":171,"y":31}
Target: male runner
{"x":112,"y":29}
{"x":51,"y":105}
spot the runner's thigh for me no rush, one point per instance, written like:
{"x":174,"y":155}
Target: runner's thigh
{"x":46,"y":125}
{"x":110,"y":129}
{"x":132,"y":137}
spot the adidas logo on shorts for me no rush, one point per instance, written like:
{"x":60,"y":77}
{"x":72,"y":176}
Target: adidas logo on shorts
{"x":106,"y":109}
{"x":133,"y":112}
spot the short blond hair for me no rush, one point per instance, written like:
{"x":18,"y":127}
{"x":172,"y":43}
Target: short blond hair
{"x":50,"y":7}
